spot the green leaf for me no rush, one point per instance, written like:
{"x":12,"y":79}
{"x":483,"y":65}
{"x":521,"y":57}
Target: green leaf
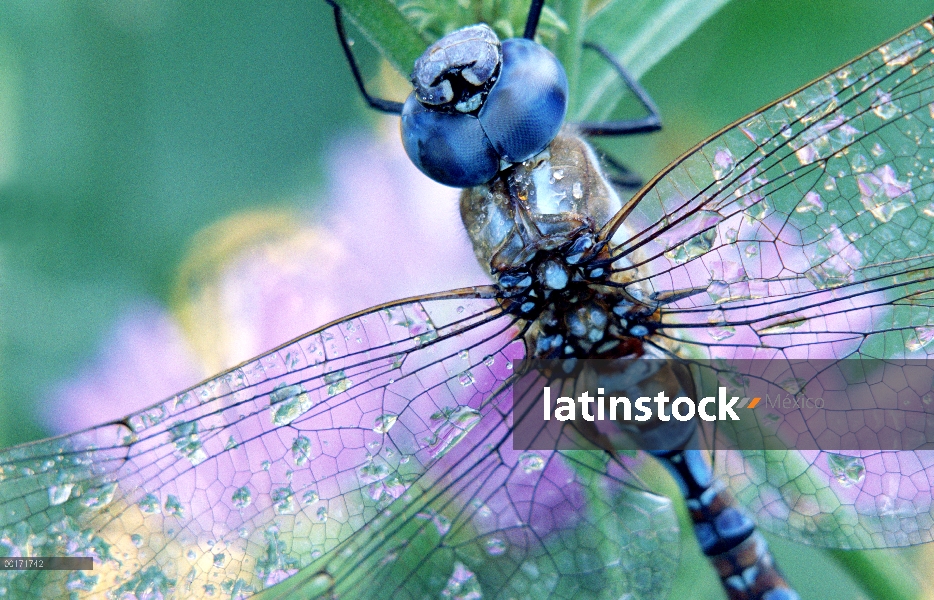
{"x":393,"y":33}
{"x":878,"y":574}
{"x":639,"y":34}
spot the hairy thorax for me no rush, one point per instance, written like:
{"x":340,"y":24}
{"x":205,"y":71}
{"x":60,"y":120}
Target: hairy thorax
{"x":537,"y":228}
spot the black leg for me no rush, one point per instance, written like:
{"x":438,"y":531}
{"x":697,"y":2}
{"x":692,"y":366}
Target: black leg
{"x":380,"y":104}
{"x":652,"y":122}
{"x":619,"y":174}
{"x":531,"y":22}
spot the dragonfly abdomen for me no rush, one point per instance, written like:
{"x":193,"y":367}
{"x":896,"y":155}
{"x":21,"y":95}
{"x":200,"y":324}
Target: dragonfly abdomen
{"x":726,"y":532}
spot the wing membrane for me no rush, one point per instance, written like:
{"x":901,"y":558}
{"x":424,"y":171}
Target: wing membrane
{"x":512,"y":524}
{"x":372,"y":458}
{"x":289,"y":453}
{"x":803,"y":234}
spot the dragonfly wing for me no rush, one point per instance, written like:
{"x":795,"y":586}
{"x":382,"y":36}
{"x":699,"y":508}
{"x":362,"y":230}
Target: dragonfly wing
{"x":508,"y":524}
{"x":805,"y":234}
{"x":382,"y":435}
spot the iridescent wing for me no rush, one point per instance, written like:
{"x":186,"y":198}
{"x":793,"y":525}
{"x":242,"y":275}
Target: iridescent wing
{"x":806,"y":232}
{"x":375,"y":453}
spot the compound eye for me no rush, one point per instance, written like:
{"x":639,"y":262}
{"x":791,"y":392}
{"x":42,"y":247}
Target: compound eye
{"x":451,"y":148}
{"x":524,"y":110}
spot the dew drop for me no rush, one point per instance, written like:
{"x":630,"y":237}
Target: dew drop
{"x":723,"y":163}
{"x":442,"y":524}
{"x":137,"y":540}
{"x":187,"y":442}
{"x":322,"y":515}
{"x":173,"y":507}
{"x":462,"y":584}
{"x":282,"y":500}
{"x":693,"y":247}
{"x":884,"y":108}
{"x":384,"y":423}
{"x":289,"y":402}
{"x":149,"y":504}
{"x":59,"y":494}
{"x":531,"y":462}
{"x":241,"y":497}
{"x":449,"y":426}
{"x":495,"y":546}
{"x":811,"y":203}
{"x":301,"y":450}
{"x":923,"y":337}
{"x":847,"y":470}
{"x":721,"y":332}
{"x":100,"y":497}
{"x":859,"y":163}
{"x":337,"y":382}
{"x":310,"y":497}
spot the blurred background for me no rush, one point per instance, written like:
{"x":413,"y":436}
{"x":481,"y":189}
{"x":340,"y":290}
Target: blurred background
{"x":129,"y":128}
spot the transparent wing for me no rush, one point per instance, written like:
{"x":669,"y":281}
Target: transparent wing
{"x":804,"y":233}
{"x":377,"y":437}
{"x":509,"y":524}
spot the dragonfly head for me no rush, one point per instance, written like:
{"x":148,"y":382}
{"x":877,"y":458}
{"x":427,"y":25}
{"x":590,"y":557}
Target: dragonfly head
{"x":479,"y":104}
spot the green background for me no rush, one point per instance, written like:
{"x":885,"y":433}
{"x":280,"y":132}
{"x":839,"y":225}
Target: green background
{"x":126,"y":126}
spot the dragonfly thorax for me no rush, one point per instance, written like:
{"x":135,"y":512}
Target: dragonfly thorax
{"x":536,"y":228}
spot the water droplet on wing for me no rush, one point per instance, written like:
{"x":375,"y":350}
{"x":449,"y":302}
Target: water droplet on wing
{"x":847,"y":470}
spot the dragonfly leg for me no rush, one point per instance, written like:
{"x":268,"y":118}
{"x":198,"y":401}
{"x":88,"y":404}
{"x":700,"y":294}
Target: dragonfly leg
{"x":619,"y":174}
{"x":651,"y":122}
{"x":380,"y":104}
{"x":531,"y":22}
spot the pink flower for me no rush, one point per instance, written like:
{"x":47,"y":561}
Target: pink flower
{"x":145,"y":359}
{"x":259,"y":279}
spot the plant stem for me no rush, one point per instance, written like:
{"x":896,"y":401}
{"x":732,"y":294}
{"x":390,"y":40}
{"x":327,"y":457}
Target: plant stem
{"x":881,"y":577}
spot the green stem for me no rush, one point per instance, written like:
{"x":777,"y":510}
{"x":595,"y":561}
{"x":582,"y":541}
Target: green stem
{"x":387,"y":29}
{"x":881,"y":577}
{"x":570,"y":45}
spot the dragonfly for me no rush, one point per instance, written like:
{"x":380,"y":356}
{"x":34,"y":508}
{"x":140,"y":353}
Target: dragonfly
{"x":373,"y":457}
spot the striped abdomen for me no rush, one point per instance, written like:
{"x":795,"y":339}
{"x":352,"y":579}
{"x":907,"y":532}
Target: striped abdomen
{"x":726,"y":532}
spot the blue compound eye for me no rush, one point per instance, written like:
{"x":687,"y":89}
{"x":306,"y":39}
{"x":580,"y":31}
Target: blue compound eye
{"x":478,"y":102}
{"x":450,"y":148}
{"x":524,"y":110}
